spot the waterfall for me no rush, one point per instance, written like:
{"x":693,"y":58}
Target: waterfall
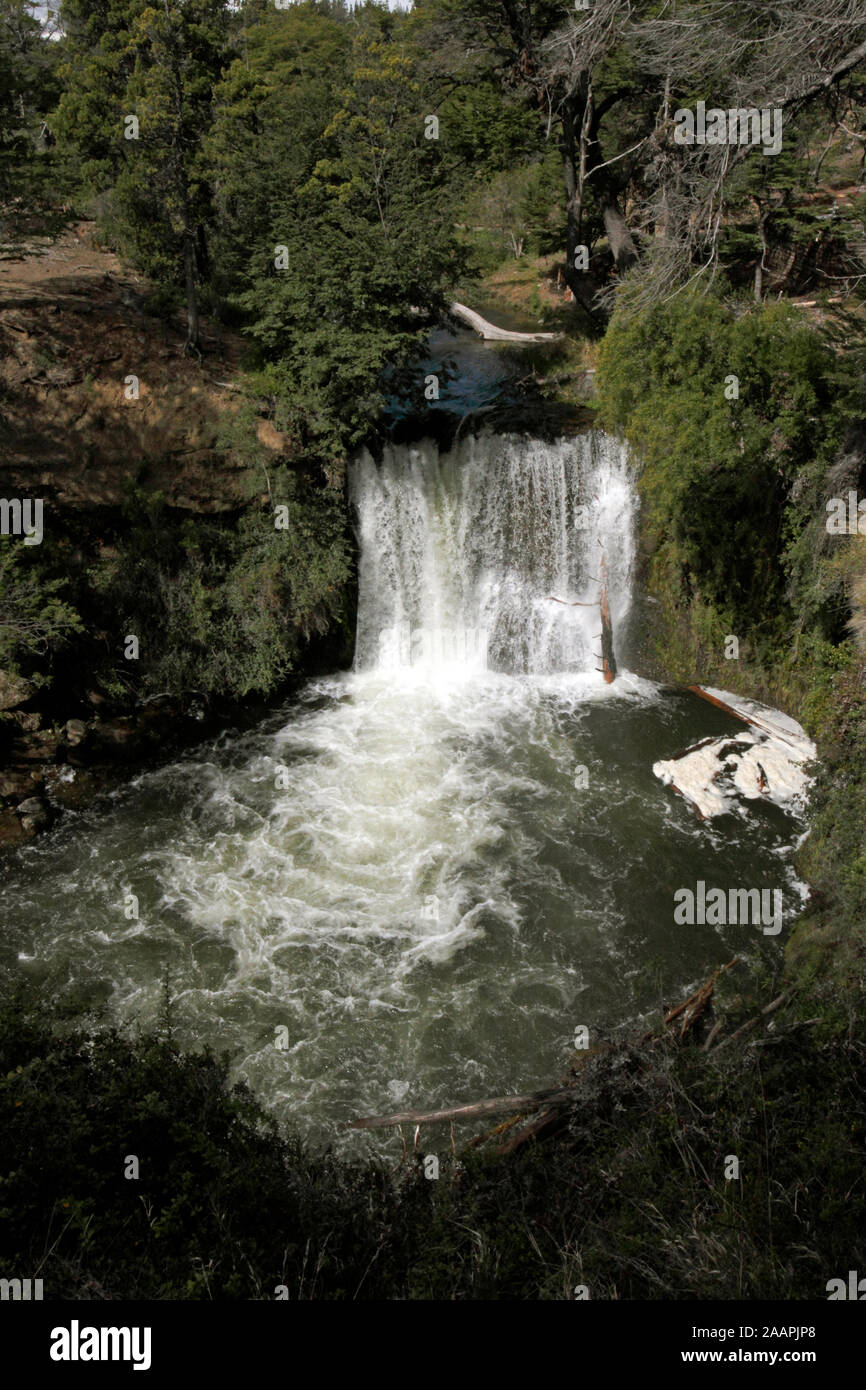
{"x":464,"y":554}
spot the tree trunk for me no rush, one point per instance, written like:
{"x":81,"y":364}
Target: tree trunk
{"x":193,"y":327}
{"x":579,"y":137}
{"x":573,"y":194}
{"x":499,"y":1105}
{"x":762,"y":263}
{"x":581,"y":157}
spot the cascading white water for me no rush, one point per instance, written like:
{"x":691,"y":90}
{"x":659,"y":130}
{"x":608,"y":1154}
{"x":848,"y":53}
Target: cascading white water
{"x":465,"y":554}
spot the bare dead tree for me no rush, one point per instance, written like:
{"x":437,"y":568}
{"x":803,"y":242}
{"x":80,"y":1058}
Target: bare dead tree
{"x":787,"y":58}
{"x":607,"y":82}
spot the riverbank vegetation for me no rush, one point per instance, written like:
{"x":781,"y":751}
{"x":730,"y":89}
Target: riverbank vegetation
{"x":156,"y":1178}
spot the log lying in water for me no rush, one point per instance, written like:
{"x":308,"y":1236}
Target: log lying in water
{"x":767,"y":758}
{"x":548,"y":1102}
{"x":499,"y":1105}
{"x":491,"y":333}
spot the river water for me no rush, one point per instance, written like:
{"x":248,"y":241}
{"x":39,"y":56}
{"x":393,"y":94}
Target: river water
{"x":411,"y":885}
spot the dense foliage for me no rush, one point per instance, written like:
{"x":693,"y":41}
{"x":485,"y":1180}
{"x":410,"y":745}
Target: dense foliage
{"x":224,"y":608}
{"x":737,"y":417}
{"x":28,"y":90}
{"x":33,"y":615}
{"x":829,"y":946}
{"x":221,"y":606}
{"x":630,"y":1200}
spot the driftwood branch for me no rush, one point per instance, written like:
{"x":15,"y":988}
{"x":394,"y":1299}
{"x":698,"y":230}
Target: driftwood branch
{"x":551,"y":598}
{"x":499,"y":1105}
{"x":550,"y":1101}
{"x":753,"y":1022}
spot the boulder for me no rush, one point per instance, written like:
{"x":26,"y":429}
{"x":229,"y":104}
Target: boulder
{"x":41,"y":747}
{"x":18,"y":783}
{"x":71,"y":788}
{"x":34,"y":815}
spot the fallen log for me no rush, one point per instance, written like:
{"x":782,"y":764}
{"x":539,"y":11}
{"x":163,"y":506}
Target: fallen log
{"x":753,"y":1022}
{"x":542,"y":1125}
{"x":498,"y":1105}
{"x":490,"y":332}
{"x":549,"y":1101}
{"x":778,"y":726}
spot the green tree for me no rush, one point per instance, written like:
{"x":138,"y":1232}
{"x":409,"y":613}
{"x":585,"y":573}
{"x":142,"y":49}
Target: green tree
{"x":180,"y":50}
{"x":368,"y":250}
{"x":98,"y":59}
{"x":139,"y":106}
{"x":271,"y":107}
{"x":27,"y":92}
{"x":33,"y":616}
{"x":768,"y":208}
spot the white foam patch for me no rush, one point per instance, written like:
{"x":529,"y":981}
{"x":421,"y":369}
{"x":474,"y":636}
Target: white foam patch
{"x":766,"y":762}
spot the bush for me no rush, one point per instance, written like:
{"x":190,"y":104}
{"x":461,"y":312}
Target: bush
{"x":630,"y":1197}
{"x":34,"y":619}
{"x":731,"y":488}
{"x":224,"y":607}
